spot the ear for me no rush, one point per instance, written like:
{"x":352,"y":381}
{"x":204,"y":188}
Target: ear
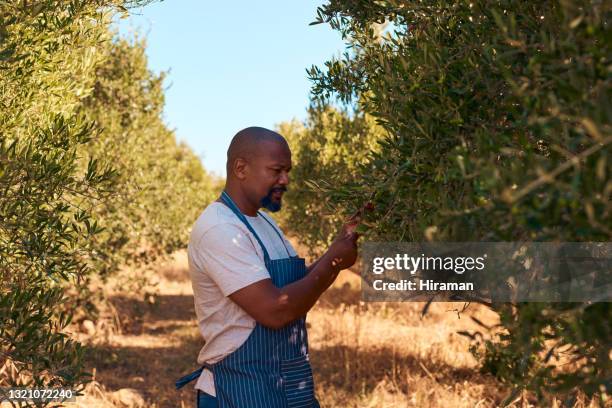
{"x":240,"y":168}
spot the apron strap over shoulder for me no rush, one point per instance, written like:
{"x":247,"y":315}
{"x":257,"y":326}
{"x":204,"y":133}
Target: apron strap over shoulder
{"x":277,"y":232}
{"x":227,"y":200}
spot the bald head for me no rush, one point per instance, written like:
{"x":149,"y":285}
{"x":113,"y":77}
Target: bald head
{"x":251,"y":142}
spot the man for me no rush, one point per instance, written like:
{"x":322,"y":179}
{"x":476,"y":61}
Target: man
{"x":251,"y":290}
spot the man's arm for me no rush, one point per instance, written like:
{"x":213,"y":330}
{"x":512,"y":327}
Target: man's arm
{"x":312,"y":265}
{"x":276,"y":307}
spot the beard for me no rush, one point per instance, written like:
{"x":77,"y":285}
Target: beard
{"x":267,"y":202}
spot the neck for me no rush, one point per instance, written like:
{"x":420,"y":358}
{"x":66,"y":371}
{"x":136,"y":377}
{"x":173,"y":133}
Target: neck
{"x":244,"y":205}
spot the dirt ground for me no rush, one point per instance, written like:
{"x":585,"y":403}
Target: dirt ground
{"x":363,"y":354}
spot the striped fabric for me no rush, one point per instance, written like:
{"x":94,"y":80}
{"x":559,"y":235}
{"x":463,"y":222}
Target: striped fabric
{"x":271,"y":369}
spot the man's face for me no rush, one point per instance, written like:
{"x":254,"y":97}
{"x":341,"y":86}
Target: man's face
{"x":269,"y":175}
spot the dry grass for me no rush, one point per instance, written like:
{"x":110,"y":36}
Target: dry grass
{"x":144,"y":342}
{"x":363,"y":354}
{"x":386,"y":355}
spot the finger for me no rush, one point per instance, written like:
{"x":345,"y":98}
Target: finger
{"x":356,"y":217}
{"x":351,"y":236}
{"x":352,"y":222}
{"x":349,"y":229}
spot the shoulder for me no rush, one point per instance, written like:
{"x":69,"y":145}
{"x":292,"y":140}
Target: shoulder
{"x":215,"y":220}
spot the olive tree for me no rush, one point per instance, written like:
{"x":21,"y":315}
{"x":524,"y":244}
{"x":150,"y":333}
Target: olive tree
{"x":497,"y":120}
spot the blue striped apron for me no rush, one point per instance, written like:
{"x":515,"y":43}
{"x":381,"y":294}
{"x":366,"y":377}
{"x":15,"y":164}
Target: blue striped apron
{"x":271,"y":369}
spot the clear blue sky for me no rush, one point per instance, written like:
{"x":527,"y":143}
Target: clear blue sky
{"x":232,"y":65}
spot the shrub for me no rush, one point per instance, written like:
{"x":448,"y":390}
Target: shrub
{"x":90,"y":177}
{"x":47,"y":57}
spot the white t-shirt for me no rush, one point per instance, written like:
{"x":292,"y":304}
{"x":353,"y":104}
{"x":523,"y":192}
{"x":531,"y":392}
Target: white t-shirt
{"x":224,"y":256}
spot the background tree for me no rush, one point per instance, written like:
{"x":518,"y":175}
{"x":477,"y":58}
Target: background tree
{"x":47,"y":61}
{"x":162,"y":186}
{"x":327,"y":151}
